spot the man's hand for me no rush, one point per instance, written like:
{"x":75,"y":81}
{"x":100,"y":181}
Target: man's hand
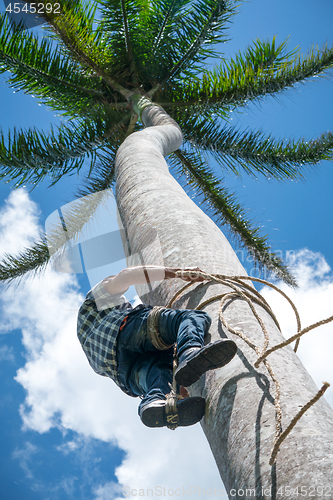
{"x":194,"y":274}
{"x":187,"y":274}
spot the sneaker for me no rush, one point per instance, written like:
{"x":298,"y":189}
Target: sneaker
{"x":195,"y":361}
{"x":190,"y":411}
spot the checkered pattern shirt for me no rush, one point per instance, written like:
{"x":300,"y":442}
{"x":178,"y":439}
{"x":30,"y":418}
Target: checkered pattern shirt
{"x":99,"y":319}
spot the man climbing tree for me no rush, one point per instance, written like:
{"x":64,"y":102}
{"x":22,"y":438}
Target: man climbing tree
{"x":114,"y":75}
{"x":134,"y":347}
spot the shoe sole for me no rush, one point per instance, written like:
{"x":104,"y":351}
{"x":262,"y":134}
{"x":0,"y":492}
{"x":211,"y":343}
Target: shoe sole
{"x":190,"y":411}
{"x":213,"y":356}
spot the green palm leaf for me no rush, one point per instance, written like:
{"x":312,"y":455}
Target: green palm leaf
{"x":225,"y":209}
{"x":202,"y":27}
{"x":72,"y":29}
{"x":40,"y":69}
{"x":153,"y":42}
{"x":263,"y":69}
{"x":126,"y":25}
{"x":254,"y":152}
{"x":31,"y":155}
{"x":31,"y":260}
{"x":168,"y":15}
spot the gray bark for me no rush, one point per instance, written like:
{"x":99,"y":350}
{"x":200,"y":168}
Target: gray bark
{"x":240,"y":417}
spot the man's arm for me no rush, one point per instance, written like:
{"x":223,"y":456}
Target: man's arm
{"x":140,"y":275}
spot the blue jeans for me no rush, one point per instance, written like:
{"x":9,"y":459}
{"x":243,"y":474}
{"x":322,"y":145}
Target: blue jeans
{"x":143,"y":369}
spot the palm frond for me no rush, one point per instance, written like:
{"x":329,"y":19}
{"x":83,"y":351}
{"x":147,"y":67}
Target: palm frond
{"x":103,"y":176}
{"x":202,"y":94}
{"x":255,"y":152}
{"x":30,"y":260}
{"x":72,"y":28}
{"x":263,"y":69}
{"x":31,"y":155}
{"x":226,"y":210}
{"x":39,"y":69}
{"x":168,"y":14}
{"x":128,"y":27}
{"x":202,"y":27}
{"x":154,"y":41}
{"x":166,"y":23}
{"x":74,"y":25}
{"x":53,"y":245}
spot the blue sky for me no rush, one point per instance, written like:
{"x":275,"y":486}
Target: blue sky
{"x":62,"y":438}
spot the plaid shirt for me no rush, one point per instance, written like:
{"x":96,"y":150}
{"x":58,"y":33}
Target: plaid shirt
{"x":99,"y":319}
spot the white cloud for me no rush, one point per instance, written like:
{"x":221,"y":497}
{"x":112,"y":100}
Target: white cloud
{"x":18,"y":222}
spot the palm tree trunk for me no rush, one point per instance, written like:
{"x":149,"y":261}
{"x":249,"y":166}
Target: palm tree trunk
{"x":240,"y":414}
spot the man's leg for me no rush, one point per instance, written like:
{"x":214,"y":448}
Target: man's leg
{"x":151,"y":376}
{"x":146,"y":371}
{"x":188,"y":327}
{"x":133,"y":343}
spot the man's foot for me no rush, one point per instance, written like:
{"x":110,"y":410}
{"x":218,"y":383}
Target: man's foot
{"x":195,"y":361}
{"x":190,"y":411}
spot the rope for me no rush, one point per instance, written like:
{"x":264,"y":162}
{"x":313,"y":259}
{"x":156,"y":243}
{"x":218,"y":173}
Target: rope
{"x":295,"y":420}
{"x":250,"y":295}
{"x":171,"y":398}
{"x":294,"y":337}
{"x":152,"y":328}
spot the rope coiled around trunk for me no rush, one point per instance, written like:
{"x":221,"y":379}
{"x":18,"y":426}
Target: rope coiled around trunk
{"x":242,"y":290}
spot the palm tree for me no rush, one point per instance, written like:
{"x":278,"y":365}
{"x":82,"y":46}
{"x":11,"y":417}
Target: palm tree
{"x":110,"y":67}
